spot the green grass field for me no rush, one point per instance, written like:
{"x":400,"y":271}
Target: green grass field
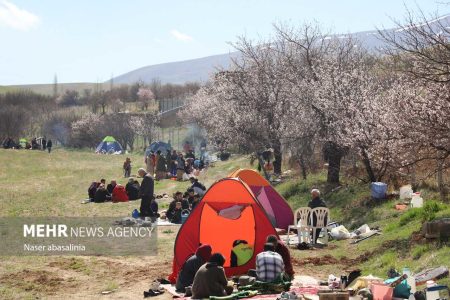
{"x":35,"y":183}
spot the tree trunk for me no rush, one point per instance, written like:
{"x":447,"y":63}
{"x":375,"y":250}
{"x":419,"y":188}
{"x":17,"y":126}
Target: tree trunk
{"x":333,"y":155}
{"x":367,"y":165}
{"x":261,"y":163}
{"x":414,"y":184}
{"x":278,"y":157}
{"x":440,"y":180}
{"x":301,"y":162}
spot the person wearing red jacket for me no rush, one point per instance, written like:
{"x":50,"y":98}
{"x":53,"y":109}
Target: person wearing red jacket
{"x":119,"y":194}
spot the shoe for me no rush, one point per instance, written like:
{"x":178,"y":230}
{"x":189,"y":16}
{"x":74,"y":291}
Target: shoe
{"x":151,"y":293}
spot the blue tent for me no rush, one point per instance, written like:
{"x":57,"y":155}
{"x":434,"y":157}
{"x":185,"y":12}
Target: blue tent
{"x":155,"y":146}
{"x":109,"y":145}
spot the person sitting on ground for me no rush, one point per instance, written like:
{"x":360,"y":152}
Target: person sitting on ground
{"x":281,"y":249}
{"x":316,"y":202}
{"x":132,"y":189}
{"x":178,"y":197}
{"x":190,"y":155}
{"x":241,"y":253}
{"x":189,"y":195}
{"x":101,"y":194}
{"x":154,"y":207}
{"x":198,"y":187}
{"x":127,"y":167}
{"x":92,"y":189}
{"x":175,"y":216}
{"x":191,"y":266}
{"x":196,"y":201}
{"x":119,"y":194}
{"x":110,"y":187}
{"x":103,"y":181}
{"x":269,"y":264}
{"x":210,"y":279}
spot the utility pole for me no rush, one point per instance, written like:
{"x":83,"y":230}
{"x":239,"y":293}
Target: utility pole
{"x":111,"y":82}
{"x":55,"y":87}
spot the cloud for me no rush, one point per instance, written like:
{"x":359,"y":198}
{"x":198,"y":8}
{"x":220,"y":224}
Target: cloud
{"x":181,"y":36}
{"x":16,"y":18}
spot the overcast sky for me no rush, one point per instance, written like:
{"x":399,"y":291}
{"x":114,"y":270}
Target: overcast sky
{"x":89,"y":40}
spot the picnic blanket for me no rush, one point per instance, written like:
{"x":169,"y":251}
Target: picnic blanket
{"x":310,"y":290}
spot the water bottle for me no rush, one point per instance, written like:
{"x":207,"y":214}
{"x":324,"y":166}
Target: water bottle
{"x":410,"y":280}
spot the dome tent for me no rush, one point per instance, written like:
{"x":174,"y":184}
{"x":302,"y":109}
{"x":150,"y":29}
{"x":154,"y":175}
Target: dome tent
{"x":109,"y":145}
{"x":227,"y":212}
{"x":276,"y":207}
{"x":155,"y":146}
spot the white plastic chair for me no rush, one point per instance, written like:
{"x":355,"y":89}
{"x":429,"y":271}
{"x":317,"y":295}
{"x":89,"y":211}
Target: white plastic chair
{"x":322,"y":214}
{"x":301,"y":216}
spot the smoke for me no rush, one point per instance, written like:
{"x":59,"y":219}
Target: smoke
{"x":195,"y":136}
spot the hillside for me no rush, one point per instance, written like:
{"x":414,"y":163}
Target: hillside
{"x":68,"y":174}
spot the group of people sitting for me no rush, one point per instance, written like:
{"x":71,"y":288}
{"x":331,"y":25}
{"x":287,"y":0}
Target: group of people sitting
{"x":173,"y":164}
{"x":185,"y":202}
{"x":99,"y":192}
{"x":203,"y":272}
{"x":36,"y":144}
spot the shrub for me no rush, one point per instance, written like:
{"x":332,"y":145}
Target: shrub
{"x":430,"y":208}
{"x":425,"y":213}
{"x":410,"y":215}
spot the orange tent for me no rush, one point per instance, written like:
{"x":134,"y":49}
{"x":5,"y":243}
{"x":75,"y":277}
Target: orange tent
{"x":277,"y":209}
{"x":227,"y":212}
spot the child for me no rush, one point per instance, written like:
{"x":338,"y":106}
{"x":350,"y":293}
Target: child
{"x":127,"y":167}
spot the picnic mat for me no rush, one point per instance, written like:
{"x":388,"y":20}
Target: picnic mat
{"x":160,"y":222}
{"x":311,"y":290}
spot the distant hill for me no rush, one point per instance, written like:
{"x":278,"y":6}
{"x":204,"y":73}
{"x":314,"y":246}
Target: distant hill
{"x":47,"y":89}
{"x":179,"y":72}
{"x":201,"y":68}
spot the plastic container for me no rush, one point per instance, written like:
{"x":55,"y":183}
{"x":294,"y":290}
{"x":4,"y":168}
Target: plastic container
{"x":378,"y":190}
{"x":437,"y":292}
{"x":406,"y":192}
{"x":416,"y":200}
{"x":381,"y":291}
{"x":184,"y":215}
{"x":410,"y":280}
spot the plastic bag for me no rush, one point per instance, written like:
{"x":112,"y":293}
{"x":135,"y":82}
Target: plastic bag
{"x":340,"y":233}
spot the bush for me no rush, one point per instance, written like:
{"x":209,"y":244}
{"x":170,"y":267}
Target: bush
{"x":425,"y":213}
{"x":410,"y":215}
{"x":430,"y":208}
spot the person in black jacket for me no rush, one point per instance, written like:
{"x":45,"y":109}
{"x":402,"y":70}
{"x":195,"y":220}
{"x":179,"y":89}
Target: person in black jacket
{"x":132,"y":189}
{"x":49,"y":145}
{"x":110,"y":187}
{"x":316,"y":202}
{"x":101,"y":195}
{"x":191,"y":265}
{"x":174,"y":213}
{"x":146,"y":193}
{"x":92,"y":190}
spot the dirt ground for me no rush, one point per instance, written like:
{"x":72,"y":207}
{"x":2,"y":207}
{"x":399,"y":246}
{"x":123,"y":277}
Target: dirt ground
{"x":117,"y":277}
